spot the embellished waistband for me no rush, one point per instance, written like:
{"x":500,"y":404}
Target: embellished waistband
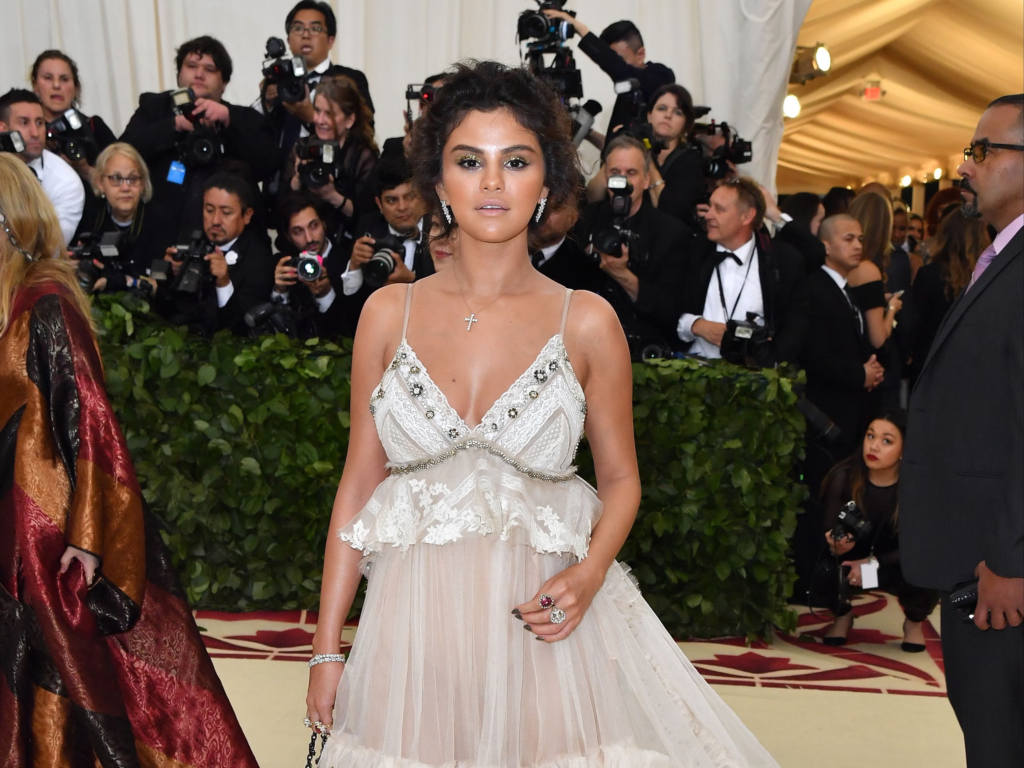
{"x":433,"y":461}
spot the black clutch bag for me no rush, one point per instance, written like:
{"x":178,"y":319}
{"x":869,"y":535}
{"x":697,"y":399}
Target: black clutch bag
{"x":964,"y":598}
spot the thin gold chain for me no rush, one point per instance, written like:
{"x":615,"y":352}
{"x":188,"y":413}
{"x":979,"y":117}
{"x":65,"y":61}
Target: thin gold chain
{"x":462,"y":293}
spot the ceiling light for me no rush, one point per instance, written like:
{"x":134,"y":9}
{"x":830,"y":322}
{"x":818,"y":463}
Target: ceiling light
{"x":810,"y":62}
{"x":906,"y":181}
{"x":938,"y":174}
{"x":791,"y":106}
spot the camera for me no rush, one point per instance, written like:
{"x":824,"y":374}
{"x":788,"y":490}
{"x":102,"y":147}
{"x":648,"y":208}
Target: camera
{"x":287,"y":72}
{"x":102,"y":246}
{"x":636,"y":124}
{"x":421,"y":94}
{"x":851,"y":523}
{"x":547,"y":37}
{"x":309,"y":266}
{"x":534,"y":25}
{"x":387,"y":250}
{"x":194,"y":267}
{"x":11,"y":141}
{"x":747,"y":342}
{"x":271,"y":318}
{"x":735,"y":150}
{"x":610,"y":239}
{"x":201,"y":146}
{"x":71,"y":134}
{"x":319,"y":161}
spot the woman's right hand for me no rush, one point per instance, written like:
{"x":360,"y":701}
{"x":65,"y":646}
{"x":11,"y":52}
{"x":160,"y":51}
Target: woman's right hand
{"x":296,"y":183}
{"x":840,"y":547}
{"x":323,"y":689}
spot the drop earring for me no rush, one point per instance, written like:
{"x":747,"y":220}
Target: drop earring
{"x":540,"y":209}
{"x":446,"y":212}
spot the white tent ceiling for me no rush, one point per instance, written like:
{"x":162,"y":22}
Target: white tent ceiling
{"x":939,"y":62}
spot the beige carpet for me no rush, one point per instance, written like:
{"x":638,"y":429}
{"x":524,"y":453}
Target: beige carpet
{"x":866,"y":704}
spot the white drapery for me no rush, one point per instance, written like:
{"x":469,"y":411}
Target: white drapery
{"x":733,"y":55}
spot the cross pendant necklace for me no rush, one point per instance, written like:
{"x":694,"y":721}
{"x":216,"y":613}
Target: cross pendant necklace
{"x":472,"y":315}
{"x":470,"y":320}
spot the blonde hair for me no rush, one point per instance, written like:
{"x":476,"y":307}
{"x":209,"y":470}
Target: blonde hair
{"x":125,"y":150}
{"x":874,"y":213}
{"x":36,"y":229}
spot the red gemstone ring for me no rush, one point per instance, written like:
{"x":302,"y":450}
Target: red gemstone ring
{"x":546,"y":601}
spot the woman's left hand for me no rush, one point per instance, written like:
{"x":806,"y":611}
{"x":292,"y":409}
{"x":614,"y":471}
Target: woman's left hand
{"x":854,"y":577}
{"x":572,"y":590}
{"x":89,"y":563}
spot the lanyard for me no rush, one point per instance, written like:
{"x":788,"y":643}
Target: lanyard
{"x":721,"y":291}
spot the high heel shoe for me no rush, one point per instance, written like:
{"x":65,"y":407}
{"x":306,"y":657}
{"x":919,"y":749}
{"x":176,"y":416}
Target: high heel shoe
{"x":912,"y":647}
{"x":837,"y":640}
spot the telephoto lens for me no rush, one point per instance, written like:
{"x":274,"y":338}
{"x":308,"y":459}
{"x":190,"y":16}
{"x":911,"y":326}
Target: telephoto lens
{"x":309,"y":266}
{"x":387,"y":251}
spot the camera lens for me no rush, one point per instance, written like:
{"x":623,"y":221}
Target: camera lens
{"x":314,"y":175}
{"x":532,"y":24}
{"x":377,"y":270}
{"x":309,"y":269}
{"x":608,"y":240}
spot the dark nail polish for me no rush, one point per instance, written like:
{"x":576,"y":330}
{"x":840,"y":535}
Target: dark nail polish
{"x":539,"y":638}
{"x":527,"y":627}
{"x":516,"y":613}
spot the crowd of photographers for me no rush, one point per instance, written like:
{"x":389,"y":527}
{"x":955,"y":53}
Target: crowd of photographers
{"x":695,"y":258}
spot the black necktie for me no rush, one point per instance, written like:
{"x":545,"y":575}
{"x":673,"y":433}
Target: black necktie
{"x":853,"y":306}
{"x":536,"y":258}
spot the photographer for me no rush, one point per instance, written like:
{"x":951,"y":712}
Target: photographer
{"x":640,"y":251}
{"x":558,"y":256}
{"x":338,"y":163}
{"x":119,"y":206}
{"x":743,"y":292}
{"x":310,"y":296}
{"x":311,"y":28}
{"x":76,"y":138}
{"x":185,"y":141}
{"x":677,"y":181}
{"x":620,"y":52}
{"x":226,"y":271}
{"x":868,"y":535}
{"x":393,"y":248}
{"x":21,"y":111}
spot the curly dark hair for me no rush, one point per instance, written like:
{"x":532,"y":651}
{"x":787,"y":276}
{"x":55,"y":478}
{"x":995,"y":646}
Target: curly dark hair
{"x":486,"y":86}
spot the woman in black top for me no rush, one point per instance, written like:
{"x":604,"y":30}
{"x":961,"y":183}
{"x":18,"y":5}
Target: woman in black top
{"x":958,"y":243}
{"x":677,"y":181}
{"x":55,"y":81}
{"x":870,"y":478}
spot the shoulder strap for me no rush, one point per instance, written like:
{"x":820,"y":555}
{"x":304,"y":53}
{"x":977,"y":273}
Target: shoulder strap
{"x":408,"y":304}
{"x":565,"y":311}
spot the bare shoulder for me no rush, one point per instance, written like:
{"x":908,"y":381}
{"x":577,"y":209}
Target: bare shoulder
{"x":380,"y":322}
{"x":867,"y":271}
{"x":593,"y":336}
{"x":591,"y":316}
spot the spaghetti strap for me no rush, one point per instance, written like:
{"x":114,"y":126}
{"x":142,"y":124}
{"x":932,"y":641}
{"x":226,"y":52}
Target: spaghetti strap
{"x":565,"y":311}
{"x":408,"y":304}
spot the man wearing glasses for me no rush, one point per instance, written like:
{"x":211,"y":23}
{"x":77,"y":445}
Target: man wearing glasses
{"x":962,"y":482}
{"x":311,"y":29}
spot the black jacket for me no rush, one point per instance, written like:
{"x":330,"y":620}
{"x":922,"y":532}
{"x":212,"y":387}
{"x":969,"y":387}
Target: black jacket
{"x":834,"y":355}
{"x":248,"y":142}
{"x":252,"y":277}
{"x":572,"y":267}
{"x":962,"y":478}
{"x":659,"y":264}
{"x":326,"y":325}
{"x":932,"y":304}
{"x":684,"y":183}
{"x":798,"y":237}
{"x":651,"y":77}
{"x":781,"y":273}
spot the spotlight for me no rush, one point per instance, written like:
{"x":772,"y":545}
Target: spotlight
{"x":937,"y":174}
{"x":810,"y":62}
{"x":906,"y":181}
{"x":791,"y":106}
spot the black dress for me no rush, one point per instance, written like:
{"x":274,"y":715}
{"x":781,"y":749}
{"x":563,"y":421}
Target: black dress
{"x":684,"y":183}
{"x":880,"y":506}
{"x":932,"y":303}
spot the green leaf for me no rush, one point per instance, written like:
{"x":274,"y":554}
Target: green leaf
{"x":250,"y":465}
{"x":206,"y":374}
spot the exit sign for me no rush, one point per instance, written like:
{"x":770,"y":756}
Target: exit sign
{"x":873,"y":92}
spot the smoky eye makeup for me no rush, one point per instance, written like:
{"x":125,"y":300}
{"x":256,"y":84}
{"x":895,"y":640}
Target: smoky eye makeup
{"x":468,"y":161}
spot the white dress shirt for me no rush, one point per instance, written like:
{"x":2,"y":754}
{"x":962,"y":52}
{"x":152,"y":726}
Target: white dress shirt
{"x":352,"y":279}
{"x":548,"y":252}
{"x":741,"y":284}
{"x":841,"y":282}
{"x":64,"y":188}
{"x":224,"y":294}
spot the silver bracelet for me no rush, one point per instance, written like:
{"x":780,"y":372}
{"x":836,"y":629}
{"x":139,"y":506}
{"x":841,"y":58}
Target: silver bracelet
{"x":323,"y":658}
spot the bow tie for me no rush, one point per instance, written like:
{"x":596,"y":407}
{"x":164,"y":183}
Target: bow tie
{"x":412,"y":234}
{"x":730,"y":254}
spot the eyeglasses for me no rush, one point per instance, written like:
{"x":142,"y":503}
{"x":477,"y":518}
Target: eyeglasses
{"x":117,"y":180}
{"x":314,"y":29}
{"x":979,"y":150}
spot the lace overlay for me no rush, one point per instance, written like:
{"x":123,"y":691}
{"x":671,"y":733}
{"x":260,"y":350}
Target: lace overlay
{"x":450,"y":480}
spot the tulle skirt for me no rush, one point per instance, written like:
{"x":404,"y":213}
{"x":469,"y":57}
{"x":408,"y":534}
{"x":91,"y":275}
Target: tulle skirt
{"x":442,"y":675}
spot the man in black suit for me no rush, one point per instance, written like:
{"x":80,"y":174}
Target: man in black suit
{"x":840,"y":371}
{"x":241,"y":139}
{"x":315,"y":302}
{"x":962,"y":483}
{"x":560,"y":257}
{"x":400,"y":214}
{"x":643,"y":283}
{"x":239,"y":273}
{"x":740,"y":272}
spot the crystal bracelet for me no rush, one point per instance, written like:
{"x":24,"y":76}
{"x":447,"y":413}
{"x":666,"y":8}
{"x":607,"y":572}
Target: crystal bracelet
{"x":323,"y":658}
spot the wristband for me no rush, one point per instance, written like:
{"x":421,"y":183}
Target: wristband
{"x":324,"y":658}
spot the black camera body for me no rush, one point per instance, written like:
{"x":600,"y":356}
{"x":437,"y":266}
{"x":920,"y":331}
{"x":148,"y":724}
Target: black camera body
{"x":319,"y":161}
{"x":851,"y":523}
{"x":611,"y":238}
{"x":735,"y":150}
{"x":11,"y":141}
{"x":194,"y":267}
{"x":288,"y":73}
{"x":548,"y":36}
{"x":103,"y":246}
{"x":309,"y":265}
{"x":388,"y":250}
{"x":636,"y":124}
{"x":747,"y":342}
{"x":202,"y":145}
{"x":534,"y":25}
{"x":72,"y":135}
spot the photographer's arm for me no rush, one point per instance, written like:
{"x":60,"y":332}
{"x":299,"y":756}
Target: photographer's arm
{"x":150,"y":134}
{"x":364,"y":471}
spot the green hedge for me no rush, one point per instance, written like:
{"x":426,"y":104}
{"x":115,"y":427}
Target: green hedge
{"x":239,"y":446}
